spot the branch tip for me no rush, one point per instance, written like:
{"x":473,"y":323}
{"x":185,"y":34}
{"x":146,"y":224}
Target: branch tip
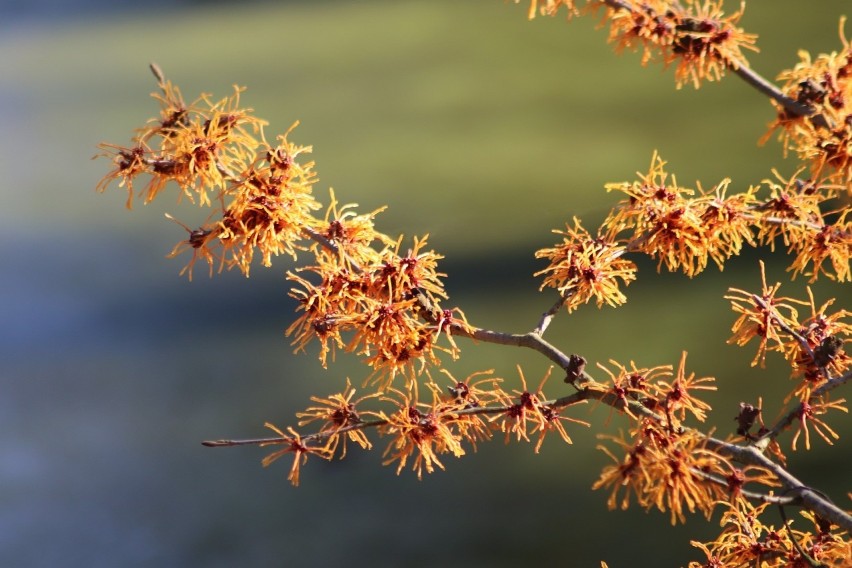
{"x":158,"y":73}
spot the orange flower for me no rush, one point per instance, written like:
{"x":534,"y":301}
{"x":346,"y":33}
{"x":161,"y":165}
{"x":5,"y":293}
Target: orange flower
{"x":582,"y":268}
{"x":665,"y":222}
{"x":293,"y":444}
{"x":823,"y":139}
{"x":809,"y":415}
{"x":695,"y":35}
{"x":129,"y":164}
{"x":764,"y":316}
{"x":727,"y":221}
{"x":746,"y":541}
{"x":476,"y":392}
{"x":636,"y":385}
{"x":463,"y":401}
{"x":680,"y":396}
{"x":210,"y":151}
{"x":329,"y":308}
{"x":340,"y":419}
{"x":174,"y":112}
{"x":626,"y":473}
{"x":830,"y":242}
{"x":388,"y":307}
{"x":267,"y":215}
{"x":395,"y":328}
{"x":817,"y":352}
{"x":201,"y":148}
{"x":664,"y":469}
{"x":789,"y":211}
{"x":421,"y":429}
{"x":354,"y":235}
{"x":202,"y":242}
{"x":514,"y":420}
{"x":531,"y":408}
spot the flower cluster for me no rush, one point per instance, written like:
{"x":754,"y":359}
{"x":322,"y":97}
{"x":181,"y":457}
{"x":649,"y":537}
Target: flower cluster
{"x":812,"y":345}
{"x":685,"y":229}
{"x":366,"y":293}
{"x":385,"y":310}
{"x":695,"y":35}
{"x":824,"y":137}
{"x":582,"y":267}
{"x":361,"y":294}
{"x":199,"y":146}
{"x":458,"y":415}
{"x":800,"y":213}
{"x":215,"y":153}
{"x":667,"y":221}
{"x":664,"y":464}
{"x":672,"y":470}
{"x":746,"y":541}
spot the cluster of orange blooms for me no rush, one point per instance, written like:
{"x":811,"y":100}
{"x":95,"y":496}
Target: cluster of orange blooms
{"x":696,"y":36}
{"x":366,"y":294}
{"x":670,"y":466}
{"x":747,"y":541}
{"x":210,"y":147}
{"x":824,"y":138}
{"x":684,"y":229}
{"x":463,"y":412}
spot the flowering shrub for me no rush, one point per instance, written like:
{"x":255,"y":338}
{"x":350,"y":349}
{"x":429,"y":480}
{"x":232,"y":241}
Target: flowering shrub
{"x":382,"y":298}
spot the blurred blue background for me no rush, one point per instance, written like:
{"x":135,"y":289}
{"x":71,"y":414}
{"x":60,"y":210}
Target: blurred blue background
{"x":473,"y":125}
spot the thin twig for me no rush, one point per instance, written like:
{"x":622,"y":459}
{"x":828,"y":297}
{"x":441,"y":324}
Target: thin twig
{"x":576,"y":398}
{"x":795,"y":541}
{"x":756,"y":80}
{"x":158,"y":73}
{"x":769,"y":89}
{"x":753,"y":495}
{"x":786,"y":328}
{"x":548,"y":316}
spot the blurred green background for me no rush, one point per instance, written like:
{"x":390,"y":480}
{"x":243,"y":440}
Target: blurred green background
{"x":473,"y":125}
